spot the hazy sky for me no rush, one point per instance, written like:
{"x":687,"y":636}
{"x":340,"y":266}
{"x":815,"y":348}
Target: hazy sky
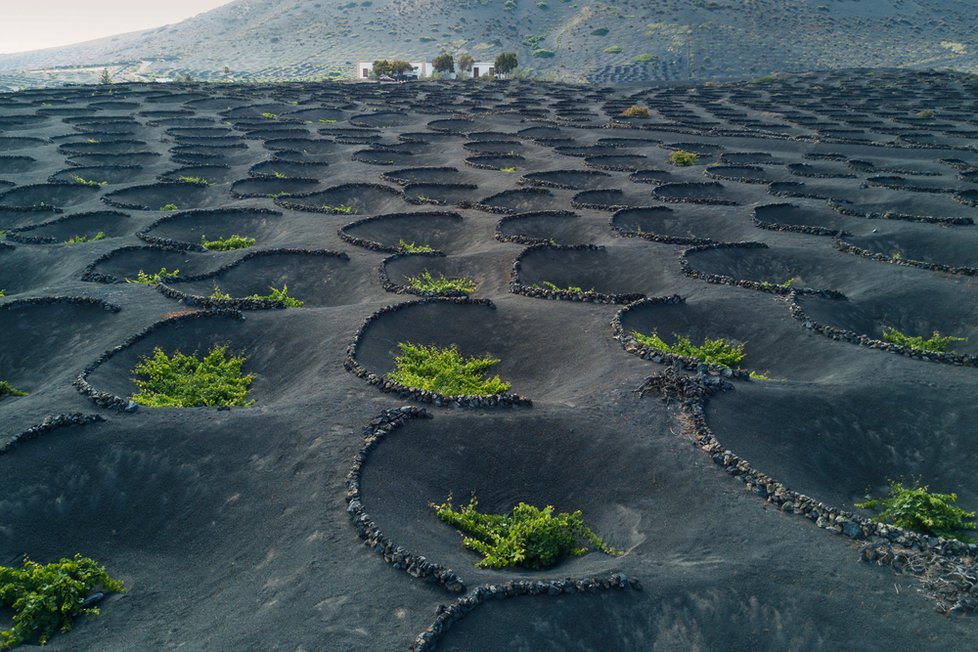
{"x":36,"y":24}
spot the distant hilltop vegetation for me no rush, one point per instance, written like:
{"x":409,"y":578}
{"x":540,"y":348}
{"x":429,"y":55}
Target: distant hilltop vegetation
{"x":568,"y":40}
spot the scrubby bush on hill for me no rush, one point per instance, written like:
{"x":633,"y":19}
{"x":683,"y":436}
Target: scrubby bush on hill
{"x":227,"y":244}
{"x":718,"y":351}
{"x":529,"y":537}
{"x":937,"y":343}
{"x":682,"y":158}
{"x":6,"y":389}
{"x":636,"y":111}
{"x":142,"y":278}
{"x":425,"y":282}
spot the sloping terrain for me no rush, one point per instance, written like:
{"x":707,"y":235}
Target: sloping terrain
{"x":244,"y":528}
{"x":627,"y":40}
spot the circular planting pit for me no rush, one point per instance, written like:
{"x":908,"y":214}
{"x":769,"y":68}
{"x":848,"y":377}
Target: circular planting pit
{"x":98,"y":174}
{"x":383,"y":156}
{"x":956,"y":248}
{"x":541,"y":459}
{"x":521,"y":200}
{"x":278,"y":369}
{"x":609,"y":199}
{"x":110,"y":224}
{"x":88,"y":160}
{"x":561,"y":227}
{"x":742,"y":173}
{"x":16,"y":164}
{"x":440,"y":194}
{"x":40,"y":340}
{"x":679,"y":225}
{"x":712,"y":193}
{"x":567,"y":179}
{"x":382,"y":119}
{"x":163,"y":197}
{"x":618,"y":162}
{"x":185,"y":229}
{"x":124,"y":264}
{"x":318,"y":115}
{"x":212,"y":174}
{"x":779,"y":269}
{"x":615,"y":270}
{"x":314,"y":277}
{"x":912,"y":309}
{"x":491,"y":162}
{"x":103,"y":147}
{"x":442,"y":231}
{"x":277,"y":169}
{"x":397,"y":270}
{"x":814,"y":219}
{"x":14,"y":143}
{"x":41,"y":195}
{"x":767,"y":333}
{"x":272,"y":187}
{"x":16,"y":218}
{"x":425,"y":175}
{"x":453,"y":126}
{"x":853,"y":438}
{"x":307,"y":146}
{"x":347,"y":199}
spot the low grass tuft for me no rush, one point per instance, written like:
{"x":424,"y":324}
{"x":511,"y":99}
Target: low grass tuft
{"x":169,"y":207}
{"x":189,"y":381}
{"x":718,"y":351}
{"x":528,"y":537}
{"x":345,"y":209}
{"x":425,"y":282}
{"x":445,"y":371}
{"x":80,"y":239}
{"x":82,"y":181}
{"x":197,"y":181}
{"x":556,"y":288}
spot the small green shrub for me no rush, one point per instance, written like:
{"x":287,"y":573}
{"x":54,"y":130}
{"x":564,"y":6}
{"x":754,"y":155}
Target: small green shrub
{"x":425,"y":282}
{"x":682,"y":158}
{"x":88,"y":182}
{"x":79,"y":239}
{"x":445,"y":371}
{"x":279,"y":175}
{"x":916,"y":508}
{"x":763,"y":81}
{"x":142,"y":278}
{"x":926,"y":114}
{"x":197,"y":181}
{"x":3,"y":293}
{"x":281,"y":296}
{"x":189,"y":381}
{"x":937,"y":343}
{"x":613,"y":49}
{"x":46,"y":598}
{"x":169,"y":207}
{"x":6,"y":389}
{"x":644,"y":58}
{"x":227,"y":244}
{"x":636,"y":111}
{"x":269,"y":116}
{"x":412,"y":248}
{"x":509,"y":170}
{"x":220,"y":295}
{"x":529,"y":537}
{"x":896,"y":255}
{"x":543,"y":53}
{"x":327,"y":121}
{"x":718,"y":351}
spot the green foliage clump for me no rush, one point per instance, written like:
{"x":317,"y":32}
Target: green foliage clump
{"x":6,"y":389}
{"x":644,"y":58}
{"x":227,"y":244}
{"x":425,"y":282}
{"x":682,"y":158}
{"x":142,"y":278}
{"x":636,"y":111}
{"x":413,"y":248}
{"x":188,"y":381}
{"x":543,"y":53}
{"x":529,"y":537}
{"x":197,"y":181}
{"x":506,"y":63}
{"x":445,"y":371}
{"x":169,"y":207}
{"x":918,"y":509}
{"x":79,"y":239}
{"x":269,"y":116}
{"x":763,"y":81}
{"x":3,"y":293}
{"x":613,"y":49}
{"x":444,"y":62}
{"x":46,"y":598}
{"x":82,"y":181}
{"x":937,"y":343}
{"x":325,"y":121}
{"x":718,"y":351}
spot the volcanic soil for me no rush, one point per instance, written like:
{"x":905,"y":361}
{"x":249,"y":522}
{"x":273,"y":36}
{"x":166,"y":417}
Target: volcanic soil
{"x":230,"y":527}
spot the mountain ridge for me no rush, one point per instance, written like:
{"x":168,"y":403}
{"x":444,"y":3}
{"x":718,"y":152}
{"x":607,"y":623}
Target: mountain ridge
{"x":562,"y":40}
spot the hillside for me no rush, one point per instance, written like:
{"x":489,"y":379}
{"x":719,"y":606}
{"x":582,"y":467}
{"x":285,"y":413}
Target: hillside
{"x":629,"y":40}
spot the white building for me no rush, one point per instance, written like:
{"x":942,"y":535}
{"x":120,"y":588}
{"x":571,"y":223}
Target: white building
{"x":482,"y":69}
{"x":364,"y":69}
